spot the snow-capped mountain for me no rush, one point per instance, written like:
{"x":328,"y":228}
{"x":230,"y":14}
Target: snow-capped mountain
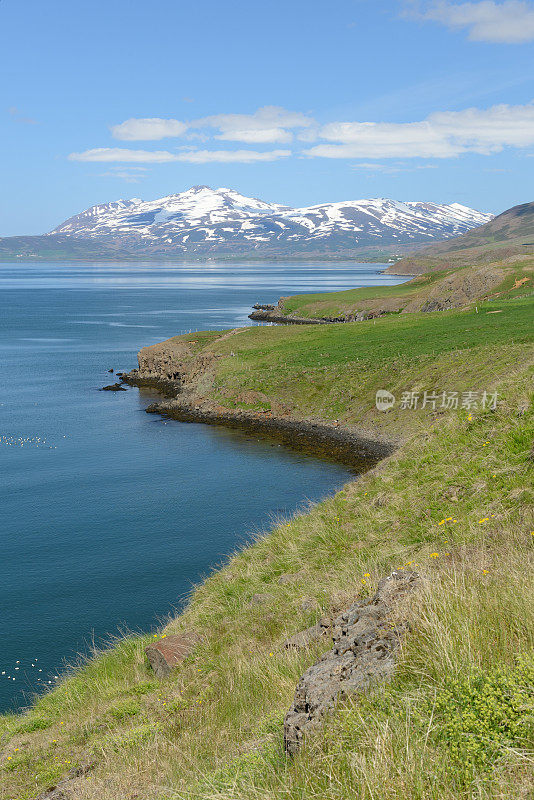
{"x":202,"y":220}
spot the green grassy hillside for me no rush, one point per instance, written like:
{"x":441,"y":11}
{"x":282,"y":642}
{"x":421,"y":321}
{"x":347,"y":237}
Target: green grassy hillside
{"x":454,"y":502}
{"x":442,"y":289}
{"x":332,"y":372}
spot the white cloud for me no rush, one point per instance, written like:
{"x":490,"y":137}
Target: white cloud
{"x":381,"y":140}
{"x":128,"y":177}
{"x":19,"y":116}
{"x":130,"y":169}
{"x":152,"y":129}
{"x":390,"y":169}
{"x":230,"y":156}
{"x":267,"y":124}
{"x":110,"y":154}
{"x":130,"y":174}
{"x":385,"y":169}
{"x":444,"y":134}
{"x":508,"y":22}
{"x":123,"y":155}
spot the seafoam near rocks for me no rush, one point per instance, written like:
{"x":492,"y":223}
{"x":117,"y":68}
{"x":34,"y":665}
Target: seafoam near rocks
{"x":366,"y":638}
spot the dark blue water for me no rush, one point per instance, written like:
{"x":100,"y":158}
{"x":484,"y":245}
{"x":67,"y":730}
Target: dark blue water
{"x":109,"y":515}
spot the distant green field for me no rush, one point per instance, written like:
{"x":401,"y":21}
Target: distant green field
{"x":516,"y":279}
{"x":333,"y":300}
{"x":389,"y":337}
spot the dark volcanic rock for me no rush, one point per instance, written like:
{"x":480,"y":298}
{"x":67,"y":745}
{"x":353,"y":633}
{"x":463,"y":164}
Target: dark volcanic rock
{"x":113,"y":387}
{"x":365,"y":643}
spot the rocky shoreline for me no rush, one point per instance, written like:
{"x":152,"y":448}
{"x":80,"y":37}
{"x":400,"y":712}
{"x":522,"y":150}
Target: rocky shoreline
{"x":271,"y":316}
{"x":275,"y":315}
{"x":334,"y":441}
{"x":183,"y":376}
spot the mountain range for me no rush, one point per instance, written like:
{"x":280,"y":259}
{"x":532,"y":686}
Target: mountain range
{"x":222,"y":222}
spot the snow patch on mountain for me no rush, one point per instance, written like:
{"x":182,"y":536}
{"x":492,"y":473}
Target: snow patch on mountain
{"x":207,"y":218}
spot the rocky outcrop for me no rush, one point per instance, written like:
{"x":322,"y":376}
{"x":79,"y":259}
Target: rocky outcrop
{"x":165,"y":361}
{"x":457,"y":289}
{"x":366,"y":638}
{"x":278,"y":315}
{"x":113,"y":387}
{"x":303,"y":639}
{"x":281,"y":319}
{"x":169,"y":651}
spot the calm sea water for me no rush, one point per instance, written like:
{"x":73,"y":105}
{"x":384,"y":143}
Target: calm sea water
{"x":110,"y":515}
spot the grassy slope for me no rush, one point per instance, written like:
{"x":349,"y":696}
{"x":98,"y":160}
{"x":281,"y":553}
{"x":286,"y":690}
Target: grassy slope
{"x":333,"y":371}
{"x":214,"y":729}
{"x":339,"y":304}
{"x":333,"y":303}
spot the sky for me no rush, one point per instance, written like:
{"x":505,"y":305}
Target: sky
{"x":290,"y":101}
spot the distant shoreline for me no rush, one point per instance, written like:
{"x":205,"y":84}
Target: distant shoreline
{"x":362,"y":258}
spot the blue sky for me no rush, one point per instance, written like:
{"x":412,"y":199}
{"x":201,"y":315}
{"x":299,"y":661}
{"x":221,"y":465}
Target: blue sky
{"x":296,"y":102}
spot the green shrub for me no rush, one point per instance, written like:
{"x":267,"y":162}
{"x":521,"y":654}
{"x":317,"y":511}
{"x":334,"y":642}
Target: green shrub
{"x":478,"y":717}
{"x":125,"y":708}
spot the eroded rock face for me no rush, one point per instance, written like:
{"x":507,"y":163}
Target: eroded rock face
{"x":167,"y":360}
{"x":457,"y":290}
{"x":365,"y":641}
{"x":65,"y":789}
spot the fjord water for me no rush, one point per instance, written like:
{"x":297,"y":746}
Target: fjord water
{"x":110,"y":515}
